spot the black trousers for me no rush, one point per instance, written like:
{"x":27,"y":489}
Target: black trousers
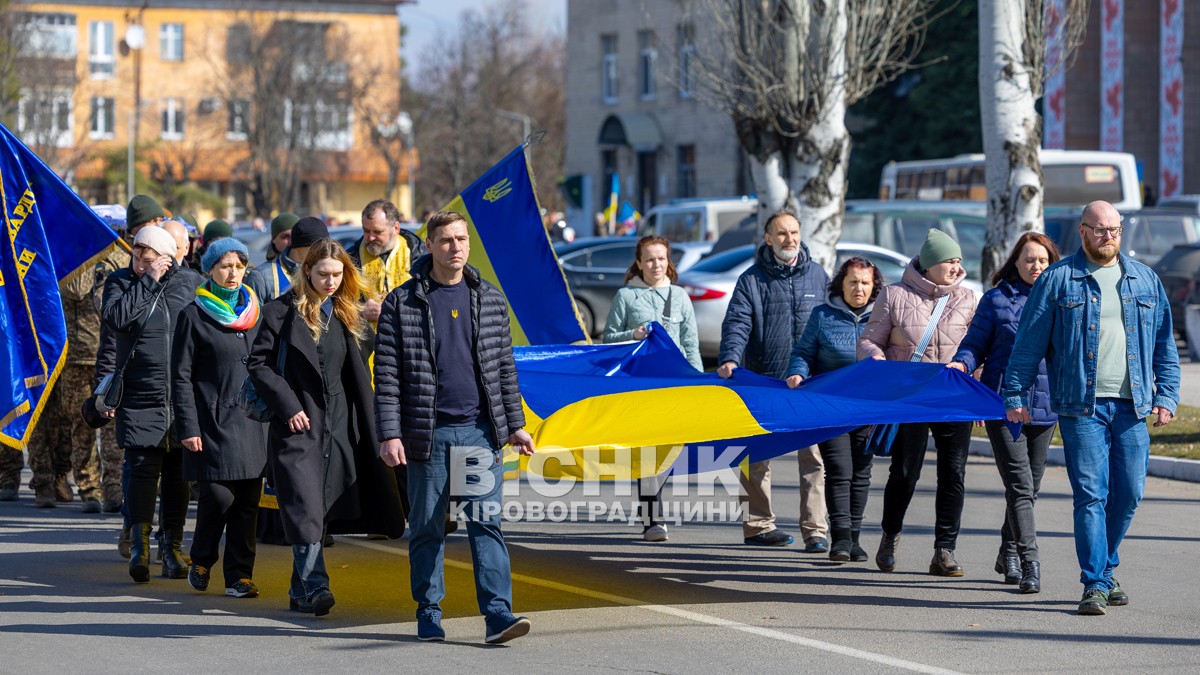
{"x":146,"y":467}
{"x":229,"y":507}
{"x":1021,"y":463}
{"x":847,"y":478}
{"x":908,"y":454}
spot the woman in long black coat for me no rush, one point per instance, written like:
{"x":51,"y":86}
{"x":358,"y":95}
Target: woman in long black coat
{"x":321,"y":454}
{"x":226,"y":450}
{"x":141,"y":307}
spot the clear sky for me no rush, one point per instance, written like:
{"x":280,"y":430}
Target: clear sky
{"x":428,"y":20}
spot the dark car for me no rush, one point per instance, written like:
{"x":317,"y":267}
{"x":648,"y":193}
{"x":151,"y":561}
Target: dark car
{"x":1179,"y":270}
{"x":595,"y":269}
{"x":1149,"y":234}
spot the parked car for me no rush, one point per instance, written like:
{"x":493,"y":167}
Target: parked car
{"x":595,"y":269}
{"x":1148,"y":234}
{"x":710,"y":283}
{"x":1189,"y":203}
{"x":1179,"y":270}
{"x":704,"y":219}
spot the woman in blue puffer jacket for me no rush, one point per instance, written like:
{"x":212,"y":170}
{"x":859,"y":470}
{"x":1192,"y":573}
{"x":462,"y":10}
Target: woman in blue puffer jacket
{"x":1022,"y":461}
{"x":829,"y":342}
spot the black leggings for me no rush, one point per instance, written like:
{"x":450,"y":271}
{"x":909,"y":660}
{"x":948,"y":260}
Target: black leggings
{"x":847,"y":478}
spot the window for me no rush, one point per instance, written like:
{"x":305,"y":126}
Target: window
{"x":608,"y":73}
{"x":102,"y":117}
{"x":321,"y":124}
{"x":50,"y":35}
{"x":686,"y":159}
{"x":687,"y":57}
{"x":237,"y":43}
{"x":170,"y":39}
{"x":172,"y":119}
{"x":45,"y":118}
{"x":615,"y":257}
{"x":647,"y":64}
{"x":100,"y":49}
{"x":239,"y":119}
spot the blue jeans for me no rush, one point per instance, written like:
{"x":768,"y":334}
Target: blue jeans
{"x":1107,"y":454}
{"x":308,"y":571}
{"x":430,"y":496}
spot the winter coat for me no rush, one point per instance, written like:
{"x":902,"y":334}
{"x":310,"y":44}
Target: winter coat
{"x":406,"y":375}
{"x":769,"y":310}
{"x":902,"y":313}
{"x":989,"y":342}
{"x":358,"y":497}
{"x":210,"y":365}
{"x":637,"y":304}
{"x":830,"y":339}
{"x":264,"y":280}
{"x":144,"y":417}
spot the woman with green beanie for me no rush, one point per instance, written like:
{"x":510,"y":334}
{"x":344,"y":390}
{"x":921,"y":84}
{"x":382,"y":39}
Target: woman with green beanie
{"x":923,"y":318}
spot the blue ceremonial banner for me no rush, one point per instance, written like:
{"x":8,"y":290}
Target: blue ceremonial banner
{"x":510,"y":248}
{"x":579,"y":399}
{"x":49,"y":233}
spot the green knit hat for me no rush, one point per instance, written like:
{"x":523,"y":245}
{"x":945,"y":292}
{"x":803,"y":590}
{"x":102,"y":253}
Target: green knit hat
{"x":215,"y":229}
{"x":282,"y":223}
{"x":938,"y":247}
{"x":142,"y":209}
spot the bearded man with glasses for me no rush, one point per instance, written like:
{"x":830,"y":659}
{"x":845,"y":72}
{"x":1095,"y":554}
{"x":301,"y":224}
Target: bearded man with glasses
{"x":1102,"y":322}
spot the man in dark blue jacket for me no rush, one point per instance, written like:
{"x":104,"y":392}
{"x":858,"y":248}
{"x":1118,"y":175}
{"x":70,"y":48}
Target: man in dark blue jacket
{"x":767,"y":314}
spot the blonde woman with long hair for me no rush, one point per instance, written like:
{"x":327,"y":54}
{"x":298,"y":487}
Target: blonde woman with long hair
{"x":309,"y":363}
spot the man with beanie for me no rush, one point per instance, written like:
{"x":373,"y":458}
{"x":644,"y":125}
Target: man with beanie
{"x":767,"y":314}
{"x":923,"y":318}
{"x":142,"y":210}
{"x":274,"y":279}
{"x":281,"y":234}
{"x":1102,"y":322}
{"x":216,"y":229}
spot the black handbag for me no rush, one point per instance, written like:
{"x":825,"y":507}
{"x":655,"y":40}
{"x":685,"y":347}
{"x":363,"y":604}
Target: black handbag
{"x":248,"y":399}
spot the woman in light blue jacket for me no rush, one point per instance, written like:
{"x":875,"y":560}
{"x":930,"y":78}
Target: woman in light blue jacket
{"x":650,"y":295}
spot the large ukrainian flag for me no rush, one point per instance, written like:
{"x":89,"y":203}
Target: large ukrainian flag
{"x":510,"y":248}
{"x":49,"y":233}
{"x":583,"y":404}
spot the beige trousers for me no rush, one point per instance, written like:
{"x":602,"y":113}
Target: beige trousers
{"x":758,"y":516}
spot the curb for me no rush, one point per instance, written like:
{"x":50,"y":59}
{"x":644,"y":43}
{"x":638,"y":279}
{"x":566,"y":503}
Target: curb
{"x":1160,"y":467}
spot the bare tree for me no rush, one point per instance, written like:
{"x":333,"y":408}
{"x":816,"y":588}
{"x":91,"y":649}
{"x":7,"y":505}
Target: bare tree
{"x":786,"y":70}
{"x":1012,"y":71}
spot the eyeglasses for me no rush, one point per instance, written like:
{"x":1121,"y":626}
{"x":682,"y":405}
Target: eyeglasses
{"x":1104,"y":232}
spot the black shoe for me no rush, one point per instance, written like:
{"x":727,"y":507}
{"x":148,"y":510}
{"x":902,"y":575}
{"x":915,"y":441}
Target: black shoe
{"x":772,"y":538}
{"x":242,"y":588}
{"x":1010,"y":567}
{"x":139,"y":552}
{"x":885,"y":557}
{"x":198,"y":578}
{"x":300,"y":606}
{"x":1094,"y":603}
{"x":944,"y":564}
{"x":816,"y":545}
{"x":857,"y":553}
{"x":91,"y":505}
{"x":173,"y":564}
{"x":322,"y":601}
{"x":1116,"y":596}
{"x":1031,"y":577}
{"x":840,"y":551}
{"x":124,"y":544}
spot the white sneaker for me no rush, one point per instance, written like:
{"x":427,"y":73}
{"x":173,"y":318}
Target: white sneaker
{"x":656,"y":532}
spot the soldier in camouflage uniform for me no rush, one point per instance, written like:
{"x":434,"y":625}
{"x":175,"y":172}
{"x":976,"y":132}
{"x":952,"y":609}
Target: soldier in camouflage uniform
{"x":11,"y":463}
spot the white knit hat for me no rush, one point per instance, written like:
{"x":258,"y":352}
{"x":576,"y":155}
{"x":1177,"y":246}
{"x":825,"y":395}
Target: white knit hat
{"x":157,"y":239}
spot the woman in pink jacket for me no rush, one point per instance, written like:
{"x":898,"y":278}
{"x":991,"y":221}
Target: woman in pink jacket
{"x":930,"y":306}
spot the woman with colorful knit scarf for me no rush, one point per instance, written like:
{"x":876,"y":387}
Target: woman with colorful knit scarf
{"x":226,"y":450}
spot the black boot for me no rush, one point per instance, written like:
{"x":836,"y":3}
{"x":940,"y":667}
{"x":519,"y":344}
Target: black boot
{"x":857,"y":553}
{"x":944,"y":564}
{"x":139,"y":552}
{"x":840,"y":550}
{"x":1031,"y":577}
{"x":173,"y":564}
{"x":885,"y":557}
{"x":1010,"y":567}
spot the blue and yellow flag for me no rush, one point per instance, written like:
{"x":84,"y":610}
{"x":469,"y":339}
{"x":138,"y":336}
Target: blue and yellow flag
{"x":510,"y":248}
{"x":584,"y":404}
{"x":49,"y":233}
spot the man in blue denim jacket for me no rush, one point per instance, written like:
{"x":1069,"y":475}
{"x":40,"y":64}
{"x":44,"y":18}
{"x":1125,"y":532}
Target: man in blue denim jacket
{"x":1103,"y":324}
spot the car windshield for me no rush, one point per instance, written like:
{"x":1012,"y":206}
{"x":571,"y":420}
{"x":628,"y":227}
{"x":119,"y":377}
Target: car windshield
{"x":723,"y":262}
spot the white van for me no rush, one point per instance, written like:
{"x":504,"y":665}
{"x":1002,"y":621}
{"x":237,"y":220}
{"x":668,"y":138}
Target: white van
{"x":683,"y":220}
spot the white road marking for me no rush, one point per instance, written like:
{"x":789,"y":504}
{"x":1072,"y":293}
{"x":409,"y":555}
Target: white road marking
{"x":685,"y":614}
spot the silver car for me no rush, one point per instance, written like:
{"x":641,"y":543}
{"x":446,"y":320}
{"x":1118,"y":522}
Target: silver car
{"x":710,"y":283}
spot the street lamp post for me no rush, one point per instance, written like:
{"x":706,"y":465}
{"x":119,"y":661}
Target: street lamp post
{"x":135,"y":39}
{"x":525,"y":120}
{"x":404,"y":124}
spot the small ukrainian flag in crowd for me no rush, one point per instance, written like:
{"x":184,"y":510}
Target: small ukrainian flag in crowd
{"x":49,"y":233}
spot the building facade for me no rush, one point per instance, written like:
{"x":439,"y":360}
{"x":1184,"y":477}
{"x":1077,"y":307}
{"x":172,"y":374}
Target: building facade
{"x":271,"y":106}
{"x":633,"y":107}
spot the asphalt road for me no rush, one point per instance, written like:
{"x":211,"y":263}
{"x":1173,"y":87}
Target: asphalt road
{"x":602,"y":600}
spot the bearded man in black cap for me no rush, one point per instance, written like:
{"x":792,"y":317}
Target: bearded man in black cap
{"x":275,"y":278}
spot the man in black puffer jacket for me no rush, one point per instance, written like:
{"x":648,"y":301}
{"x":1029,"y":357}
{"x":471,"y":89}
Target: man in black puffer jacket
{"x":446,"y":402}
{"x":767,"y":314}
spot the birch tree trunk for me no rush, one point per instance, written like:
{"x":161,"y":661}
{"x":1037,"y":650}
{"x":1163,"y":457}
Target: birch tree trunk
{"x":1012,"y":130}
